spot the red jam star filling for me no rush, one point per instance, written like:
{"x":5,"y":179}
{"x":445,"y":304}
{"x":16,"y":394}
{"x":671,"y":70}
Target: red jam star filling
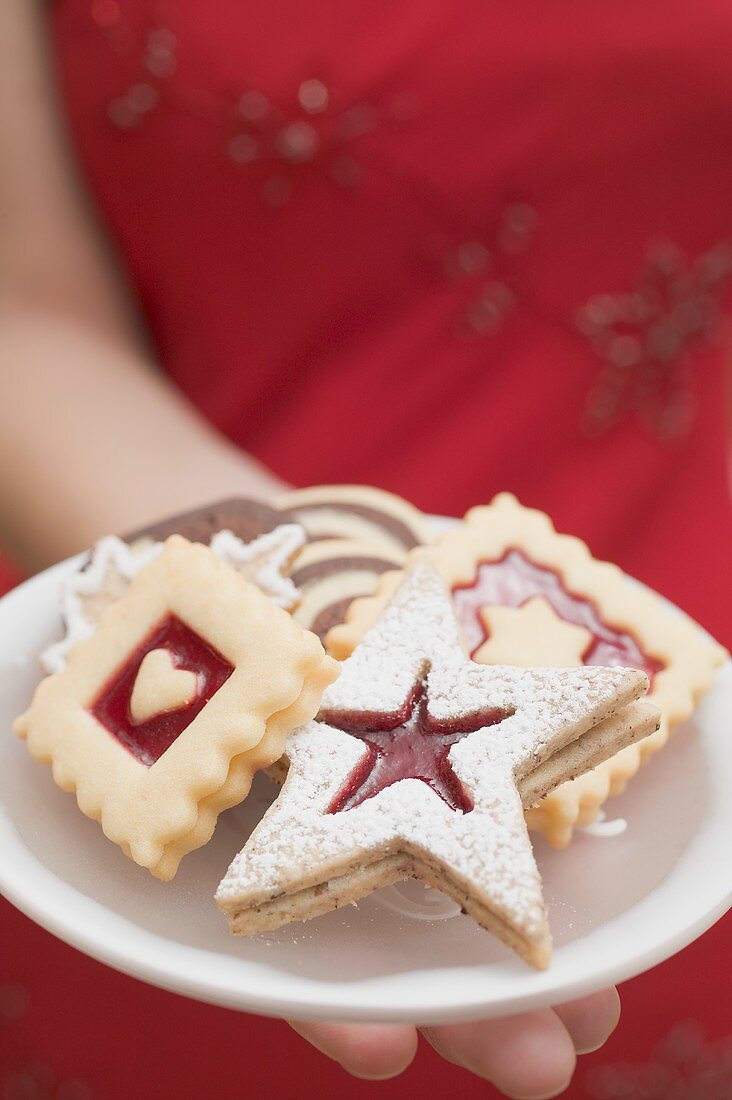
{"x":410,"y":744}
{"x":513,"y":580}
{"x":147,"y":741}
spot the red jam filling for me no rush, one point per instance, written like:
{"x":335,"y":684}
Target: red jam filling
{"x":407,"y":745}
{"x":513,"y":580}
{"x":147,"y":741}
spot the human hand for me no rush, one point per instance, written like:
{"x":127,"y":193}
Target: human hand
{"x":527,"y":1057}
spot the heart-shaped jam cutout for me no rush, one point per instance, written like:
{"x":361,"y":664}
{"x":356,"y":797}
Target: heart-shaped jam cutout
{"x":160,"y":687}
{"x":148,"y":703}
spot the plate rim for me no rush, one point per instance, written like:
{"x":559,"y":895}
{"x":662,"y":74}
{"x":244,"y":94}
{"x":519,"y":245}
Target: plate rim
{"x":29,"y":885}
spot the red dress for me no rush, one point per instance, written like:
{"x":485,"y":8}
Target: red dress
{"x":447,"y":249}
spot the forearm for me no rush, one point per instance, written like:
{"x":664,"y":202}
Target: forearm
{"x":91,"y":438}
{"x":53,"y":251}
{"x":93,"y":441}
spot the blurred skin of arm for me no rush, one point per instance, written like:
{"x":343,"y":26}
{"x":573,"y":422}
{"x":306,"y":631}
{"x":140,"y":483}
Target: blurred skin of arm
{"x":92,"y":438}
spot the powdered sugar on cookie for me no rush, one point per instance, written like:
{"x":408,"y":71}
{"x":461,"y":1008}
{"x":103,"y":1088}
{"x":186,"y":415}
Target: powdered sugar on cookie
{"x":525,"y":594}
{"x":500,"y":723}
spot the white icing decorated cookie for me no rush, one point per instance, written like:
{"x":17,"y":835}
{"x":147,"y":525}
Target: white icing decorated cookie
{"x":113,"y":563}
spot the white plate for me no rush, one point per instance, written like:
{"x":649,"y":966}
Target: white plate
{"x":617,"y":906}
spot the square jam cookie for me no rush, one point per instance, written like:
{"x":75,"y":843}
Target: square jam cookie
{"x":189,"y":684}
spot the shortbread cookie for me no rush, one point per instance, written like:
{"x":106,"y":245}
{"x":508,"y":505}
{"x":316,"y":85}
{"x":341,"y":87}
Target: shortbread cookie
{"x":112,"y":564}
{"x":190,"y":683}
{"x":247,"y":519}
{"x":525,"y":595}
{"x":356,"y":512}
{"x":330,"y":573}
{"x":418,"y":765}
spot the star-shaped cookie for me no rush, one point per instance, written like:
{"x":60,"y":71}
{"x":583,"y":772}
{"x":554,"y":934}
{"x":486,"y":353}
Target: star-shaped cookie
{"x":496,"y":563}
{"x":420,"y":764}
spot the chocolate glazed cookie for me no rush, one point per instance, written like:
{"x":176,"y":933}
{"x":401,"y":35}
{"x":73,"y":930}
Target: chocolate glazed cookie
{"x":244,"y":518}
{"x":324,"y":511}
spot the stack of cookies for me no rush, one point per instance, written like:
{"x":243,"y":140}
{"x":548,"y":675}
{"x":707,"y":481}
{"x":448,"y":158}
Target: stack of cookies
{"x":426,"y":697}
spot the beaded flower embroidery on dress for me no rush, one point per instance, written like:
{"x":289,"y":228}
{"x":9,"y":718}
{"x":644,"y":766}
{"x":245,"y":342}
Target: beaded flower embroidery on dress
{"x":310,"y":129}
{"x":483,"y":271}
{"x":646,"y":338}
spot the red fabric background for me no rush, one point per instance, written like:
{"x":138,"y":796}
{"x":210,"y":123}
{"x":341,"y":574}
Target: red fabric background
{"x":86,"y":1023}
{"x":321,"y":335}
